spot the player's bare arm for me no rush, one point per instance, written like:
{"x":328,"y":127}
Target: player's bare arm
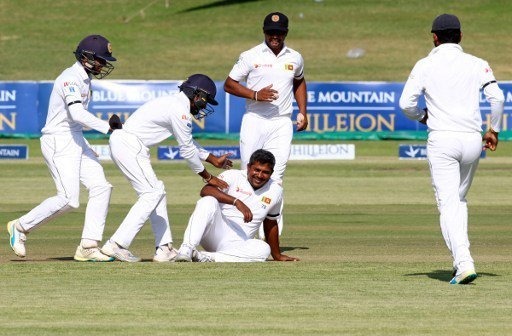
{"x":222,"y":197}
{"x":272,"y":236}
{"x":300,"y":93}
{"x":210,"y":179}
{"x":220,"y":161}
{"x":233,"y":87}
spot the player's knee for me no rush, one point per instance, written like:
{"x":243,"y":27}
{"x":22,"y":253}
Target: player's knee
{"x":259,"y":248}
{"x":100,"y":189}
{"x":207,"y":201}
{"x":155,"y":194}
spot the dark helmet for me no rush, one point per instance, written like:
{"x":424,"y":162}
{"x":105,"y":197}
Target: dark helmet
{"x":201,"y":90}
{"x":95,"y":52}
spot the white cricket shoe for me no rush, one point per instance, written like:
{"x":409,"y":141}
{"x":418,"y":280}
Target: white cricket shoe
{"x":165,"y":253}
{"x":464,"y":278}
{"x":16,"y":239}
{"x":112,"y":249}
{"x":91,"y":254}
{"x":185,"y":253}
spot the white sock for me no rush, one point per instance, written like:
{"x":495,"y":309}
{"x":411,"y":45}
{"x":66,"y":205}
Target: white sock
{"x":88,"y":243}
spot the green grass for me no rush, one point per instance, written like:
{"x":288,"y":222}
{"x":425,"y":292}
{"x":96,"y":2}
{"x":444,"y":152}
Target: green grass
{"x":152,"y":41}
{"x":373,"y":261}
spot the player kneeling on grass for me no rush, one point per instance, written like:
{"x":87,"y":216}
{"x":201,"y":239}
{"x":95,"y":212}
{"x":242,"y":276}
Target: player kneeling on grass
{"x":152,"y":123}
{"x":225,"y":221}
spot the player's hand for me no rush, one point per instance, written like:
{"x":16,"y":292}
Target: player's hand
{"x":115,"y":122}
{"x":491,"y":140}
{"x":267,"y":94}
{"x":284,"y":257}
{"x":217,"y":182}
{"x":244,"y":209}
{"x":302,"y":122}
{"x":221,"y":161}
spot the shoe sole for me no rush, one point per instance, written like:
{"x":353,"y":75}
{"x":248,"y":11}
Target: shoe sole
{"x":467,"y":279}
{"x":10,"y":229}
{"x":93,"y":260}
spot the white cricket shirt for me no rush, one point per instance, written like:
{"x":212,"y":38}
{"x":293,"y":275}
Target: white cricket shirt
{"x":167,"y":116}
{"x":260,"y":67}
{"x":264,"y":202}
{"x":451,"y":81}
{"x":72,"y":86}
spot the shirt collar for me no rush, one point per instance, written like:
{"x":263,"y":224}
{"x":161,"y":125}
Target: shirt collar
{"x":83,"y":74}
{"x":265,"y":48}
{"x":446,"y":47}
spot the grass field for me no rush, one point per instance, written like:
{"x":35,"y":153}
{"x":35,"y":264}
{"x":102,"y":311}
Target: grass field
{"x":373,"y":261}
{"x":155,"y":41}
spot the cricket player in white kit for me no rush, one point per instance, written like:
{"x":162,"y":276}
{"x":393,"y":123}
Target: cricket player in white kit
{"x":68,"y":155}
{"x":451,"y":81}
{"x":149,"y":125}
{"x":225,"y":221}
{"x":274,"y":75}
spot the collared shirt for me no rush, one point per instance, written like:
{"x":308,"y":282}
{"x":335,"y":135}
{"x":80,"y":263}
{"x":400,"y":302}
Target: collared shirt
{"x":166,"y":116}
{"x":451,"y":81}
{"x":264,"y":202}
{"x":67,"y":110}
{"x":260,"y":67}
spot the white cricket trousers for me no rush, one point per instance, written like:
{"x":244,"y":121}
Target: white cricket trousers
{"x":209,"y":228}
{"x":132,"y":158}
{"x":453,"y":159}
{"x":71,"y":161}
{"x":274,"y":135}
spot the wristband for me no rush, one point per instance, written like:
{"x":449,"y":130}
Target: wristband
{"x":256,"y":95}
{"x":234,"y":202}
{"x":206,"y":180}
{"x":493,"y":131}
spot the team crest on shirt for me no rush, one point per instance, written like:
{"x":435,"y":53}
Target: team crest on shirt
{"x":184,"y":117}
{"x":288,"y":67}
{"x":266,"y":200}
{"x":240,"y":190}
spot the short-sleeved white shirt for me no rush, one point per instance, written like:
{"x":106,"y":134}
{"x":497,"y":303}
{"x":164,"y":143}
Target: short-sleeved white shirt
{"x":264,"y":202}
{"x":451,"y":81}
{"x":168,"y":116}
{"x":260,"y":67}
{"x":72,"y":86}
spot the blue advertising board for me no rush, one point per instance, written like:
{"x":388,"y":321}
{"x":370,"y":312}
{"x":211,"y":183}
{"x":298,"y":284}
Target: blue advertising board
{"x":333,"y":107}
{"x":13,"y":152}
{"x":173,"y":152}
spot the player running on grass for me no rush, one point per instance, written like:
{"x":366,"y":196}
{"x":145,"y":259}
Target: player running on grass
{"x":68,"y":155}
{"x":451,"y":81}
{"x":226,"y":220}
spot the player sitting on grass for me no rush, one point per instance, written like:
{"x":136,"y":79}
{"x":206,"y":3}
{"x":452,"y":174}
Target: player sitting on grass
{"x":225,"y":222}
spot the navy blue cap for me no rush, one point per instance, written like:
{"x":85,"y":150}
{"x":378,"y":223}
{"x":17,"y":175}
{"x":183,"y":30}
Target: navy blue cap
{"x":276,"y":21}
{"x":445,"y":22}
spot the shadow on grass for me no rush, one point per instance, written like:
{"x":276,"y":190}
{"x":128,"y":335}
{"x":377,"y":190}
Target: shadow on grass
{"x":445,"y":276}
{"x":291,"y":248}
{"x":220,"y":3}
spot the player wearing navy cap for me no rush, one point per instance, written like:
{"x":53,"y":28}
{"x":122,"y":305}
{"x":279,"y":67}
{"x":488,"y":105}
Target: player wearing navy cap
{"x":451,"y":81}
{"x":274,"y":75}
